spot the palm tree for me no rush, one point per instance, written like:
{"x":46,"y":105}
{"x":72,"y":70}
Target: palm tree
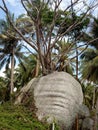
{"x":61,"y":56}
{"x":90,"y":65}
{"x":88,"y":90}
{"x":10,"y":49}
{"x":26,"y":71}
{"x":90,"y":57}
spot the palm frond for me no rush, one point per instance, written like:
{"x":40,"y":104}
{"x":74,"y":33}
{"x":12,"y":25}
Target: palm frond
{"x":95,"y":61}
{"x":2,"y":63}
{"x":2,"y":56}
{"x":88,"y":55}
{"x":7,"y":62}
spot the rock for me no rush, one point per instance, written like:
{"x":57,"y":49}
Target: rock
{"x":58,"y":97}
{"x":87,"y":124}
{"x":84,"y":111}
{"x":84,"y":115}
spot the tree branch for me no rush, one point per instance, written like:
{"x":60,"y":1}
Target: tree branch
{"x":16,"y":29}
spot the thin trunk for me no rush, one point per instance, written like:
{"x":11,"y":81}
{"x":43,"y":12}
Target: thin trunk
{"x":93,"y":101}
{"x":77,"y":63}
{"x":39,"y":44}
{"x":96,"y":117}
{"x":77,"y":123}
{"x":37,"y":67}
{"x":12,"y":73}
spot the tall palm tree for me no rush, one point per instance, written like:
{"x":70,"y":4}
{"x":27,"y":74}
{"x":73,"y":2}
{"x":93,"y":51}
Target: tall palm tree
{"x":10,"y":49}
{"x":90,"y":65}
{"x":90,"y":57}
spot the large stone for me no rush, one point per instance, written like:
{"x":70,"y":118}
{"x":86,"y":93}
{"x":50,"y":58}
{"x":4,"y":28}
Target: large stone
{"x":58,"y":97}
{"x":84,"y":111}
{"x":87,"y":124}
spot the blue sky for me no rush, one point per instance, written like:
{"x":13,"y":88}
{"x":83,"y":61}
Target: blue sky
{"x":14,"y":6}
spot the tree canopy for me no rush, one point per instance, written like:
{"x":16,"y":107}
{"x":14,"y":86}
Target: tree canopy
{"x":49,"y":25}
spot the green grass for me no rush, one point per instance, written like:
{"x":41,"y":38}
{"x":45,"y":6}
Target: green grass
{"x":18,"y":118}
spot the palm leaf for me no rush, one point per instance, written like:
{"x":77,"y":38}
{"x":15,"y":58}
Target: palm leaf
{"x":95,"y":61}
{"x":2,"y":63}
{"x":7,"y":62}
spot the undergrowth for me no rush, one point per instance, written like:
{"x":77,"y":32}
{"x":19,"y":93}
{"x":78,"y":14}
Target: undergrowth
{"x":14,"y":117}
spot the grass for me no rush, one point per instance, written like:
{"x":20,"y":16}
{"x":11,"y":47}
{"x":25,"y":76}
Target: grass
{"x":18,"y":118}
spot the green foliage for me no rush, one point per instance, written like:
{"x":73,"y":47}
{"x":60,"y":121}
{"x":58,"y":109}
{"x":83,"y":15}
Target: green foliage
{"x":61,"y":57}
{"x":25,"y":71}
{"x":89,"y":67}
{"x":9,"y":42}
{"x":88,"y":94}
{"x":71,"y":18}
{"x":10,"y":49}
{"x":47,"y":17}
{"x":94,"y":32}
{"x":18,"y":118}
{"x":3,"y":89}
{"x":89,"y":54}
{"x":46,"y":13}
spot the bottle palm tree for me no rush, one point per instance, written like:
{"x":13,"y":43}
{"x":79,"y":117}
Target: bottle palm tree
{"x":10,"y":49}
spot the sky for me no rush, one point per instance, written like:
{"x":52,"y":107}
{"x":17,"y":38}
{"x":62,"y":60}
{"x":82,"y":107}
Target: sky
{"x":14,"y":6}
